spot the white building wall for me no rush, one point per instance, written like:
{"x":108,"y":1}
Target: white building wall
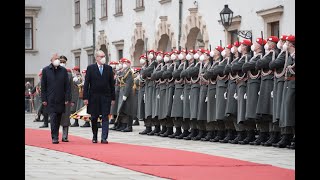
{"x":56,"y":32}
{"x":53,"y":34}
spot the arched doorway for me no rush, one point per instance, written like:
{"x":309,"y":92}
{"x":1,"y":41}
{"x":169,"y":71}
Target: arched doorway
{"x":164,"y":43}
{"x":194,"y":39}
{"x":137,"y":52}
{"x":104,"y":49}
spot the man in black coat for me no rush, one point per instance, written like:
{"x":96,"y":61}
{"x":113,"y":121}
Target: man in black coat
{"x":98,"y":93}
{"x":55,"y":93}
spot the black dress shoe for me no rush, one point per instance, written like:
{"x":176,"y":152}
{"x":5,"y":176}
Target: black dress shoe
{"x":65,"y":140}
{"x":86,"y":124}
{"x":55,"y":141}
{"x":112,"y":121}
{"x":104,"y":141}
{"x":75,"y":125}
{"x":94,"y":141}
{"x":36,"y":120}
{"x":146,"y":131}
{"x":136,"y":123}
{"x":44,"y":126}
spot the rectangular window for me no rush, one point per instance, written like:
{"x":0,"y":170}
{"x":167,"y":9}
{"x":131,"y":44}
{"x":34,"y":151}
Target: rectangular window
{"x":120,"y":54}
{"x":233,"y":36}
{"x":90,"y":10}
{"x":103,"y":8}
{"x":30,"y":80}
{"x":77,"y":12}
{"x":28,"y":33}
{"x":275,"y":28}
{"x":90,"y":59}
{"x":77,"y":61}
{"x":139,"y":3}
{"x":118,"y":6}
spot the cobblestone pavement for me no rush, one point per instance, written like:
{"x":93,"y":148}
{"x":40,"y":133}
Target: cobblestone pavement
{"x":284,"y":158}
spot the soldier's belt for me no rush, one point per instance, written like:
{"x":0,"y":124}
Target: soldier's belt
{"x":290,"y":78}
{"x":203,"y":83}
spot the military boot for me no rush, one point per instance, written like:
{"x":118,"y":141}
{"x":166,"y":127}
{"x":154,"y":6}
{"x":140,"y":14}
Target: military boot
{"x":250,"y":137}
{"x":230,"y":136}
{"x":155,"y":130}
{"x":220,"y":136}
{"x":201,"y":134}
{"x":146,"y":131}
{"x":210,"y":135}
{"x":168,"y":132}
{"x":75,"y":124}
{"x":116,"y":125}
{"x":241,"y":135}
{"x":112,"y":121}
{"x":285,"y":140}
{"x":193,"y":133}
{"x":184,"y":134}
{"x":136,"y":123}
{"x":274,"y":138}
{"x":263,"y":137}
{"x":177,"y":133}
{"x":163,"y":130}
{"x":122,"y":127}
{"x":86,"y":124}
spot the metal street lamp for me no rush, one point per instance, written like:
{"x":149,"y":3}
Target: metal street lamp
{"x":226,"y":16}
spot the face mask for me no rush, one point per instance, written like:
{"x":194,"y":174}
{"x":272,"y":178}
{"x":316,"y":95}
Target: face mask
{"x":180,"y":56}
{"x":166,"y":59}
{"x":232,"y":50}
{"x":150,"y":56}
{"x":173,"y":57}
{"x":63,"y":64}
{"x":202,"y":57}
{"x":120,"y":66}
{"x":117,"y":67}
{"x":211,"y":53}
{"x":239,"y":49}
{"x":252,"y":47}
{"x":279,"y":45}
{"x":285,"y":47}
{"x":196,"y":56}
{"x":56,"y":62}
{"x":159,"y":58}
{"x":113,"y":66}
{"x":125,"y":66}
{"x":103,"y":60}
{"x":188,"y":57}
{"x":142,"y":61}
{"x":266,"y":47}
{"x":223,"y":53}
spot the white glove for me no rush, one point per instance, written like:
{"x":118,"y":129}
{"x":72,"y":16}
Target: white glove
{"x":144,"y":97}
{"x":181,"y":97}
{"x":158,"y":96}
{"x":271,"y":94}
{"x":124,"y":98}
{"x":259,"y":93}
{"x":235,"y":96}
{"x":189,"y":97}
{"x":225,"y":95}
{"x":215,"y":96}
{"x":75,"y":79}
{"x":206,"y":100}
{"x":245,"y":96}
{"x":173,"y":97}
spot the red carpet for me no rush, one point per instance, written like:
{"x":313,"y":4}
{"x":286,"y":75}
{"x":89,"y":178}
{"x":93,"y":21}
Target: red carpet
{"x":162,"y":162}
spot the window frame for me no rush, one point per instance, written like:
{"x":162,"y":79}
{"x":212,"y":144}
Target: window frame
{"x":117,"y":3}
{"x":77,"y":61}
{"x":138,"y":2}
{"x":89,"y":9}
{"x":77,"y":14}
{"x":32,"y":35}
{"x":89,"y":55}
{"x":105,"y":4}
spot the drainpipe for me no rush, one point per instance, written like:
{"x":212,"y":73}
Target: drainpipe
{"x":180,"y":17}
